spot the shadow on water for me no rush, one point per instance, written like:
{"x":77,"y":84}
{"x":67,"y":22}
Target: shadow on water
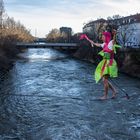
{"x":44,"y":98}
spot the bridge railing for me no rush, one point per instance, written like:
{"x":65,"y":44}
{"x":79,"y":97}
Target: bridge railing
{"x":46,"y":45}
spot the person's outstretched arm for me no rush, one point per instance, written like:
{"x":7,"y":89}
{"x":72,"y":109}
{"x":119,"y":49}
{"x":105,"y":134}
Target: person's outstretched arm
{"x":93,"y":43}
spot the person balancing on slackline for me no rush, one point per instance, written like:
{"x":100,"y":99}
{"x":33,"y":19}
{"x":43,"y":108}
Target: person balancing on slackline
{"x":108,"y":66}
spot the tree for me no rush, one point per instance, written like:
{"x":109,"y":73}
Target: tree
{"x":125,"y":33}
{"x":109,"y":18}
{"x":56,"y":36}
{"x":1,"y":12}
{"x":116,"y":16}
{"x":53,"y":35}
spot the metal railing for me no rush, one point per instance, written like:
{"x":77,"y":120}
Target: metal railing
{"x":48,"y":45}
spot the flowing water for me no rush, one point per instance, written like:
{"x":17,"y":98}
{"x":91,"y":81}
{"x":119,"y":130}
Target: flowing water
{"x":51,"y":96}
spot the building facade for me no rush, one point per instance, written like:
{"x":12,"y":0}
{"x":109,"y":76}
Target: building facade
{"x":67,"y":31}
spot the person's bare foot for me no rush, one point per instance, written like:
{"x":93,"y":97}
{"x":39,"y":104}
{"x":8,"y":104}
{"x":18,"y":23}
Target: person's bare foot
{"x":114,"y":95}
{"x":103,"y":97}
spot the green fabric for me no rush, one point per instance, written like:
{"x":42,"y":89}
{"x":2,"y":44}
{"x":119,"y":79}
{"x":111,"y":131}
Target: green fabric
{"x":105,"y":55}
{"x":112,"y":70}
{"x":101,"y":53}
{"x":116,"y":46}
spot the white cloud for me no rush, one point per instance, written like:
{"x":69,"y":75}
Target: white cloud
{"x":69,"y":13}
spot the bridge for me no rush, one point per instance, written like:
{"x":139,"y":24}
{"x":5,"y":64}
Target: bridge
{"x":71,"y":46}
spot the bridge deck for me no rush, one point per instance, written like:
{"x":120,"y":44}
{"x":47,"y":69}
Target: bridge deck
{"x":48,"y":45}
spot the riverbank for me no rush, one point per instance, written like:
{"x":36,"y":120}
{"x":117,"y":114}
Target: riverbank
{"x":8,"y":54}
{"x":8,"y":50}
{"x":128,"y":60}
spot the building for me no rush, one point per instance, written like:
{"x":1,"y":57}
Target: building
{"x":67,"y":31}
{"x":93,"y":24}
{"x":128,"y":29}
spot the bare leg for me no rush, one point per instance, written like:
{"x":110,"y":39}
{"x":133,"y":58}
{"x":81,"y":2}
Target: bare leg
{"x":113,"y":90}
{"x":106,"y":87}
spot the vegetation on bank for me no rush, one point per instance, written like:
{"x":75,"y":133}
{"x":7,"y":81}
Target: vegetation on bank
{"x":56,"y":36}
{"x":11,"y":32}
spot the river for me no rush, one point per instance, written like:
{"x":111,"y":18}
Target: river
{"x":50,"y":96}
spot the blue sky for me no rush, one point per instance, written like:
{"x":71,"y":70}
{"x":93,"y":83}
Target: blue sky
{"x":44,"y":15}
